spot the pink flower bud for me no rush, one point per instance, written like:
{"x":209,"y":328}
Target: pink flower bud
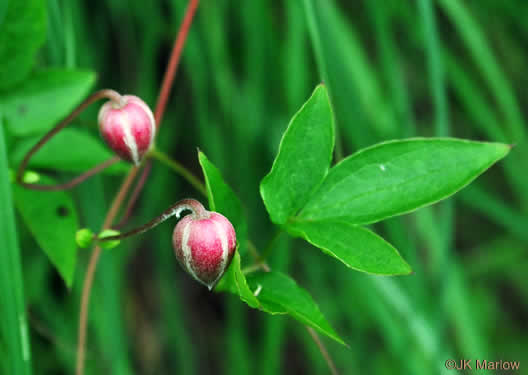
{"x":128,"y":127}
{"x":204,"y":246}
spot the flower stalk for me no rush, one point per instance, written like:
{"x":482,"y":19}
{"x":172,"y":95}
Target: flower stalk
{"x":198,"y":212}
{"x":101,"y":94}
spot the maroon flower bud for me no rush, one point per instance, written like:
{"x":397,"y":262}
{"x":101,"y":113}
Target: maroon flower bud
{"x":128,"y":127}
{"x":204,"y":243}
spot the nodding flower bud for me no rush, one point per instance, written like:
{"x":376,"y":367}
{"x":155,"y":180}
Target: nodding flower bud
{"x":128,"y":127}
{"x":204,"y":243}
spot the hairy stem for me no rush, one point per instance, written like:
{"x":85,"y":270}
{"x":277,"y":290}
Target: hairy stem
{"x":197,"y":210}
{"x":179,"y":169}
{"x":101,"y":94}
{"x":160,"y":108}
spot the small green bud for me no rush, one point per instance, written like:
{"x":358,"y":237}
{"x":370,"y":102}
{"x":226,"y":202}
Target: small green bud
{"x":31,"y":177}
{"x":84,"y":238}
{"x":111,"y":243}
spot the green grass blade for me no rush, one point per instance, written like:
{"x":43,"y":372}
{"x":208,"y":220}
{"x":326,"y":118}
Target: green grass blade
{"x":55,"y":35}
{"x":273,"y":338}
{"x":484,"y":58}
{"x":12,"y":307}
{"x":337,"y":67}
{"x":435,"y":67}
{"x":494,"y":208}
{"x":296,"y":73}
{"x":438,"y":89}
{"x":392,"y":68}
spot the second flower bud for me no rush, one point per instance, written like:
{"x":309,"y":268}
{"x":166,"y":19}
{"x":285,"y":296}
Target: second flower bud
{"x":128,"y":127}
{"x":204,"y":244}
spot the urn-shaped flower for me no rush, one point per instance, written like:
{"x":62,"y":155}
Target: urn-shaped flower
{"x":204,"y":246}
{"x":128,"y":127}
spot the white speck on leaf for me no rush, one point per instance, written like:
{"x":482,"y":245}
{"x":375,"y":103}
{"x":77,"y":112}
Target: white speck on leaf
{"x":257,"y":291}
{"x":382,"y":167}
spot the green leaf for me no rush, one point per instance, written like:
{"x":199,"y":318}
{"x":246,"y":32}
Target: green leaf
{"x":44,"y":99}
{"x":397,"y":177}
{"x":235,"y":282}
{"x":14,"y":338}
{"x":222,"y":199}
{"x":304,"y":156}
{"x":357,"y":247}
{"x":280,"y":294}
{"x":22,"y":33}
{"x":71,"y":150}
{"x":52,"y":218}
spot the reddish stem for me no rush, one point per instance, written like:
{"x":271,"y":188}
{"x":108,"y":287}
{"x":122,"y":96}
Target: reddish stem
{"x":198,"y":212}
{"x":101,"y":94}
{"x":135,"y":195}
{"x":330,"y":363}
{"x":168,"y":80}
{"x":260,"y":262}
{"x":174,"y":61}
{"x":92,"y":265}
{"x":160,"y":109}
{"x":74,"y":182}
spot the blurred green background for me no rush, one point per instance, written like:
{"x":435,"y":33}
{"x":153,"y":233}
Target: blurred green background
{"x":394,"y":69}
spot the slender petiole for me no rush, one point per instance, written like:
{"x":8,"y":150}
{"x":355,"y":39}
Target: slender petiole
{"x":135,"y":195}
{"x":271,"y":245}
{"x":179,"y":169}
{"x":101,"y":94}
{"x":74,"y":182}
{"x":197,"y":210}
{"x":252,"y":268}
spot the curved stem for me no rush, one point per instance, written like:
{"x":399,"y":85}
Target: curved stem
{"x":90,"y":272}
{"x":160,"y":107}
{"x":323,"y":350}
{"x":179,"y":169}
{"x":135,"y":195}
{"x":260,"y":262}
{"x":174,"y":60}
{"x":197,"y":210}
{"x":255,"y":253}
{"x":253,"y":268}
{"x":101,"y":94}
{"x":74,"y":182}
{"x":269,"y":248}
